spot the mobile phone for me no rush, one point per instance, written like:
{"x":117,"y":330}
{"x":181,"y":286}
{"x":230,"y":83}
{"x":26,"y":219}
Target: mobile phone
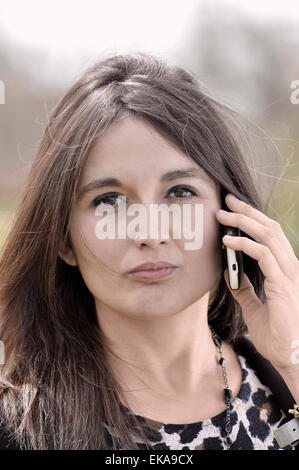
{"x":233,"y":259}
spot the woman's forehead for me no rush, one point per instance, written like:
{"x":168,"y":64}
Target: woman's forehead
{"x":132,"y":150}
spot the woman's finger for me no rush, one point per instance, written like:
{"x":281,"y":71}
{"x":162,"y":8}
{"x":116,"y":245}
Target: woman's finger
{"x":264,"y":235}
{"x":261,"y":253}
{"x":286,"y":256}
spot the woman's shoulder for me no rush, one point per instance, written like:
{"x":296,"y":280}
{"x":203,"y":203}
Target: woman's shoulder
{"x":263,"y":368}
{"x":265,"y":372}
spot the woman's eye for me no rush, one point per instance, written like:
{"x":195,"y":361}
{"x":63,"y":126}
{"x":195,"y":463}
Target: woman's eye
{"x":110,"y":198}
{"x":116,"y":198}
{"x":182,"y":190}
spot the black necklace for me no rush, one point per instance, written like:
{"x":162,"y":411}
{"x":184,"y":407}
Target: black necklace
{"x":227,"y":391}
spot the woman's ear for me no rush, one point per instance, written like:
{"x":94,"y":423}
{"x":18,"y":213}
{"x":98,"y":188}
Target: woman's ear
{"x":66,"y":253}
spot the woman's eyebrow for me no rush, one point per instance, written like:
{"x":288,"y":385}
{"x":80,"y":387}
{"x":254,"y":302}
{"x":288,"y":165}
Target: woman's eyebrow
{"x":169,"y":176}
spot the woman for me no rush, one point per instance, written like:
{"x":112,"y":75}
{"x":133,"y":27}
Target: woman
{"x":97,"y":357}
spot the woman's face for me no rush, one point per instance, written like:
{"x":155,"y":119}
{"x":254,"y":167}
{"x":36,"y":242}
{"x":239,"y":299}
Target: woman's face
{"x":138,"y":156}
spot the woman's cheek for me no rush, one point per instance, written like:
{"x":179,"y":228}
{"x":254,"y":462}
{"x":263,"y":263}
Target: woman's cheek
{"x":97,"y":258}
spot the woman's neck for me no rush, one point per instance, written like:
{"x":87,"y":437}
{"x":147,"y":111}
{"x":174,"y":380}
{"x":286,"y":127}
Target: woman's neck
{"x":173,"y":354}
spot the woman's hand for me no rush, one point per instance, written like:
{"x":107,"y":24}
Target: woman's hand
{"x":273,"y":326}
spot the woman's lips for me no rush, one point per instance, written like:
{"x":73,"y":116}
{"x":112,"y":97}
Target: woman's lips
{"x":153,"y":274}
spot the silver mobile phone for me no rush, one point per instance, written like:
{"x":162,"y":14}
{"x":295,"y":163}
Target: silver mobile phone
{"x":233,"y":259}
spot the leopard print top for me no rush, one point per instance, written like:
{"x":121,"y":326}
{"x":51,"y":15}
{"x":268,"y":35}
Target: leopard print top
{"x":254,"y":417}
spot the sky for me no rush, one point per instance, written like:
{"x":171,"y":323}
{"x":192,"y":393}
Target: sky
{"x":57,"y":25}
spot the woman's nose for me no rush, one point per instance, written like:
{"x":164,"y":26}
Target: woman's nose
{"x":150,"y":242}
{"x":154,"y":228}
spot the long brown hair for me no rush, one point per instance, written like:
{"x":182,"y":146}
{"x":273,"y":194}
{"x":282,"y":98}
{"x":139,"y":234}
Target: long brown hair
{"x":57,"y":389}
